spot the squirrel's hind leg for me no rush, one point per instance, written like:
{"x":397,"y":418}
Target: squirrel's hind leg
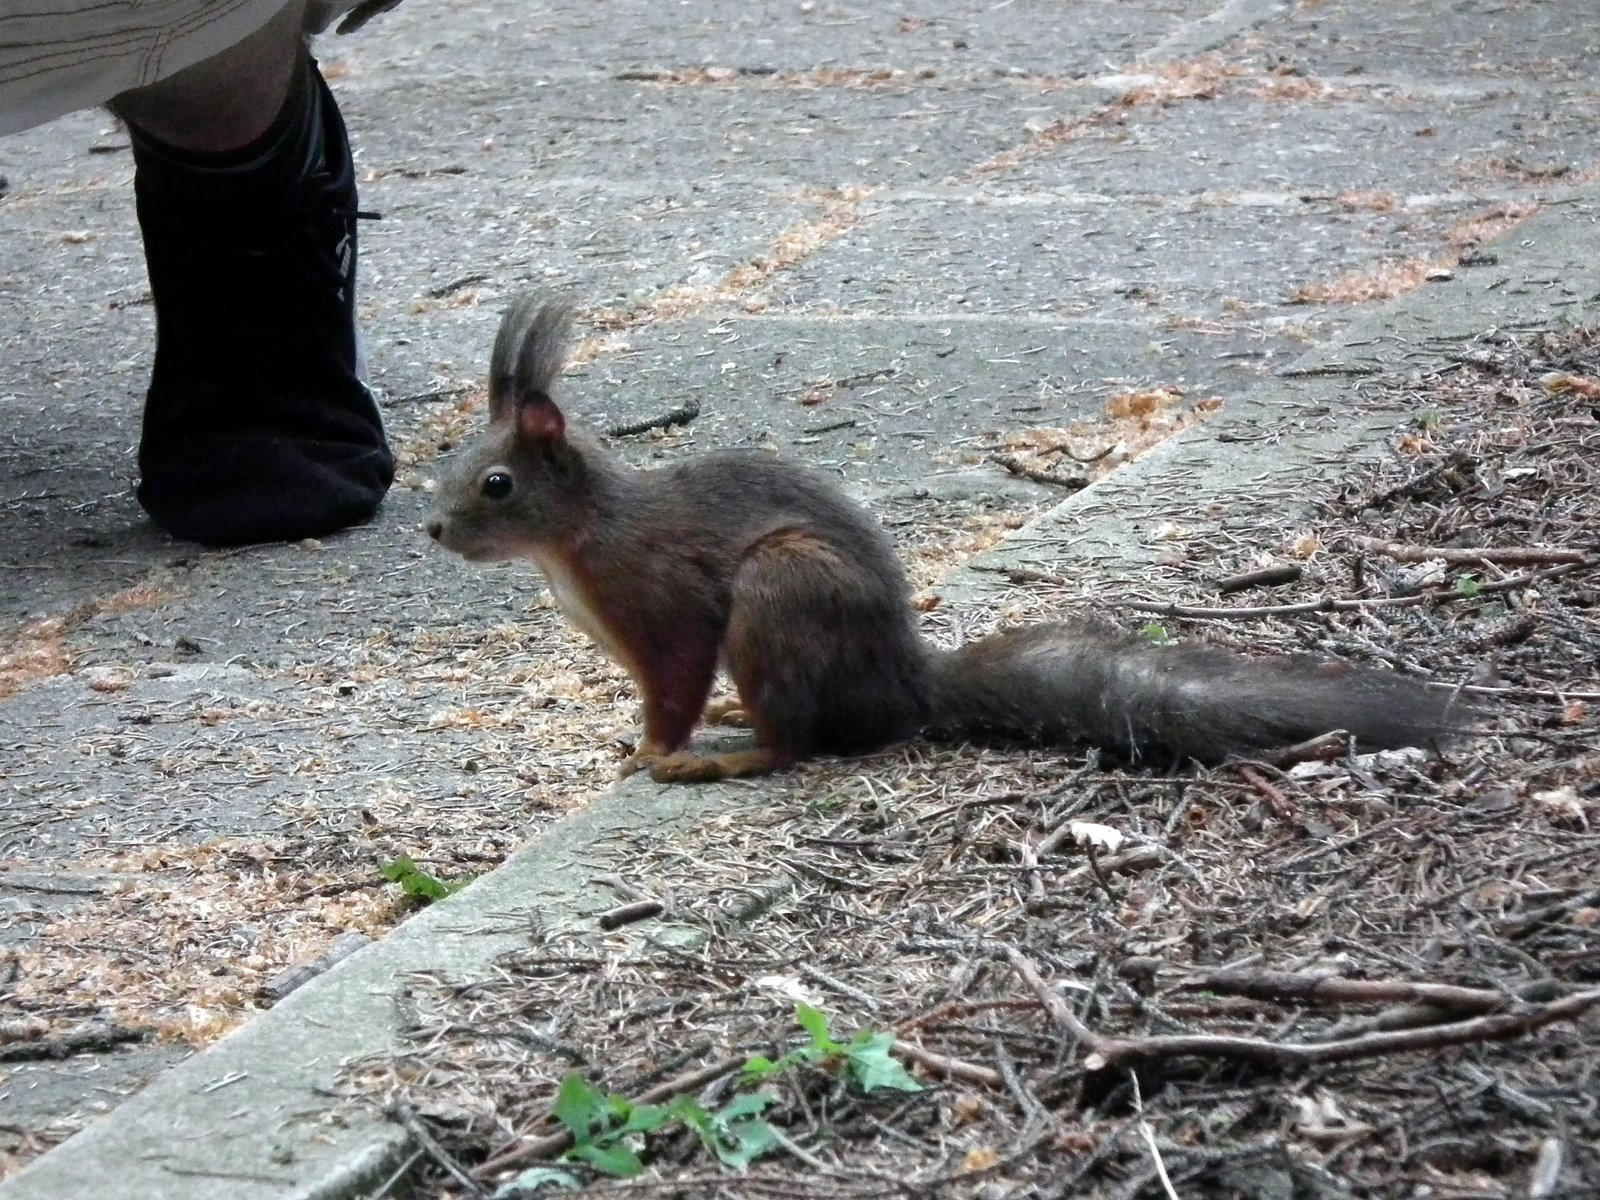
{"x":822,"y":647}
{"x":771,"y":650}
{"x":822,"y":650}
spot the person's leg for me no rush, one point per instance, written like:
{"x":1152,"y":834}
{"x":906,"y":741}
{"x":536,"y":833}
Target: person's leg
{"x":227,"y":101}
{"x":258,"y":425}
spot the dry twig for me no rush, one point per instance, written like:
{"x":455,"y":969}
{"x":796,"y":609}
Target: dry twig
{"x":1516,"y":556}
{"x":1106,"y":1051}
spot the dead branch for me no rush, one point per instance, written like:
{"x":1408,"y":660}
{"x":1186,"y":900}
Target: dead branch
{"x":1521,"y":926}
{"x":1518,"y":556}
{"x":1053,"y":1004}
{"x":943,"y":1064}
{"x":1527,"y":693}
{"x":431,"y":395}
{"x":1325,"y":747}
{"x":302,"y":973}
{"x":1277,"y":801}
{"x":1099,"y":872}
{"x":1545,"y":1177}
{"x":1333,"y":604}
{"x":1019,"y":468}
{"x":1411,"y":1016}
{"x":1309,"y":987}
{"x":818,"y":976}
{"x":1029,"y":855}
{"x":627,"y":914}
{"x":1330,"y":369}
{"x":455,"y":285}
{"x":959,"y":1008}
{"x":1149,"y":1136}
{"x":1452,"y":462}
{"x":1273,"y":576}
{"x":1021,"y":575}
{"x":407,"y":1117}
{"x":83,"y":1040}
{"x":681,"y":415}
{"x":1105,"y":1051}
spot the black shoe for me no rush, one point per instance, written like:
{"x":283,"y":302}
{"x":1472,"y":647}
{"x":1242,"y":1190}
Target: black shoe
{"x":259,"y":425}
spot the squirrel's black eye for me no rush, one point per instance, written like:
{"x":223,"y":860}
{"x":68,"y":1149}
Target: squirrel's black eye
{"x":497,"y":485}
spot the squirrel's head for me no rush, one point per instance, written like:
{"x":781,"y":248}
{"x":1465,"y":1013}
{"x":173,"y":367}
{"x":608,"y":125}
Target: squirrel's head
{"x":523,"y":486}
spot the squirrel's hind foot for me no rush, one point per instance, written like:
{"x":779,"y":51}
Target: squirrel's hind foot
{"x":729,"y":710}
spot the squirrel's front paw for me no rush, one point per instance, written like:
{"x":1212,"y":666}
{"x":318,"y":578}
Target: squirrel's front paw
{"x":686,"y":768}
{"x":634,"y":763}
{"x":670,"y":768}
{"x":646,"y":754}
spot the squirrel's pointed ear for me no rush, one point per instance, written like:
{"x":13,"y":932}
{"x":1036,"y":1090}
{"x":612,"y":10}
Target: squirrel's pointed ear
{"x":539,"y":420}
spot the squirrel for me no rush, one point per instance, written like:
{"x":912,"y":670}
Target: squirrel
{"x":764,"y":568}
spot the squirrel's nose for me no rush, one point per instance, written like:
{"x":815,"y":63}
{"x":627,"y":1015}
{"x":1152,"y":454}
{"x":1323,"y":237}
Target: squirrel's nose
{"x":435,"y":527}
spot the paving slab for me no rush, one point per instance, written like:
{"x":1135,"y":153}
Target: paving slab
{"x":1409,"y":141}
{"x":972,"y":36}
{"x":1371,"y":37}
{"x":922,"y":394}
{"x":771,"y":131}
{"x":1115,"y":257}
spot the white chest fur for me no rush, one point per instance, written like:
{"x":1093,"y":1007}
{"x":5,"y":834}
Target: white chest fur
{"x":575,"y":606}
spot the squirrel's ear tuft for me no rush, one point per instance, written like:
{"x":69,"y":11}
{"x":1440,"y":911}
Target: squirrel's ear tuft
{"x":539,"y":420}
{"x":529,"y":352}
{"x":514,"y":328}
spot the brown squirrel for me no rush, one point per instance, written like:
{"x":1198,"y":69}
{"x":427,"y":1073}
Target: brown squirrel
{"x":741,"y":560}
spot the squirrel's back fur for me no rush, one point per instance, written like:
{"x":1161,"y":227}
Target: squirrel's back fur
{"x":766,"y":569}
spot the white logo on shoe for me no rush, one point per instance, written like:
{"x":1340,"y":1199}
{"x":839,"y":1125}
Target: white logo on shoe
{"x":345,"y":252}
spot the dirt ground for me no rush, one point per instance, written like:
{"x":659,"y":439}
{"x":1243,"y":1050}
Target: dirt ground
{"x":1335,"y":975}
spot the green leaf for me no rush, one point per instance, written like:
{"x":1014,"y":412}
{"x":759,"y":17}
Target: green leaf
{"x":603,"y":1127}
{"x":1157,"y":633}
{"x":535,"y":1178}
{"x":761,"y":1067}
{"x":414,"y":881}
{"x":580,"y":1107}
{"x":693,"y":1114}
{"x":745,"y":1142}
{"x":748,"y":1104}
{"x":1468,"y":586}
{"x":646,"y":1118}
{"x":815,"y":1022}
{"x":871,"y":1066}
{"x":613,"y":1158}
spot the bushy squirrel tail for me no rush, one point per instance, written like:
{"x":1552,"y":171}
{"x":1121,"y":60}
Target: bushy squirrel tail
{"x":1063,"y":683}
